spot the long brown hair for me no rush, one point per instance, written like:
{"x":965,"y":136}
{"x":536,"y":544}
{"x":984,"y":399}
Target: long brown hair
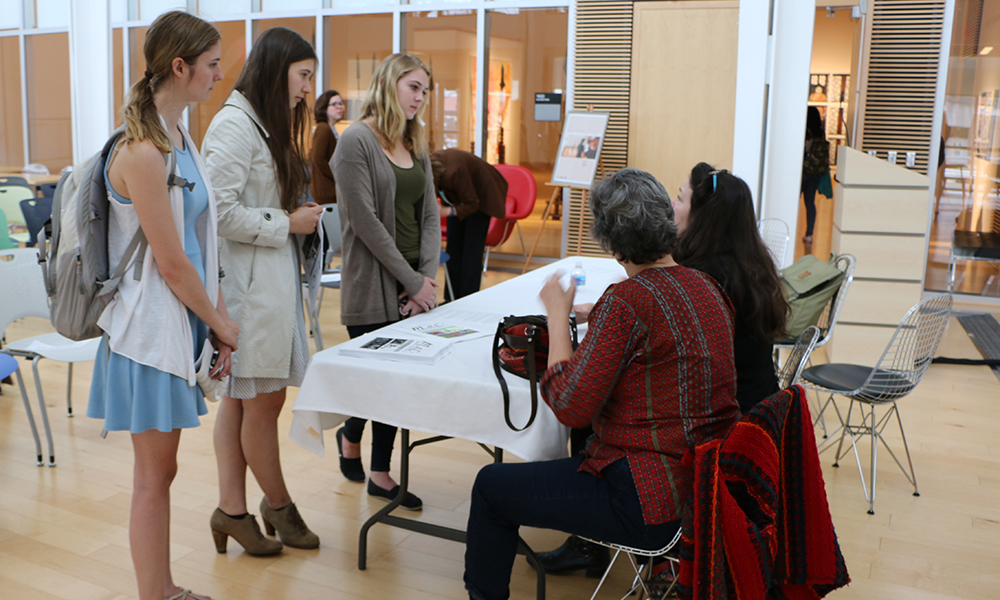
{"x":722,"y":238}
{"x":382,"y":104}
{"x":264,"y":83}
{"x":173,"y":34}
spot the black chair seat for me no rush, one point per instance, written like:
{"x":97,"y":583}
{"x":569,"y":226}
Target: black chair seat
{"x":843,"y":378}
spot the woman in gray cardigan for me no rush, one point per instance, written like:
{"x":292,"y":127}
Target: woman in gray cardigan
{"x":391,"y":235}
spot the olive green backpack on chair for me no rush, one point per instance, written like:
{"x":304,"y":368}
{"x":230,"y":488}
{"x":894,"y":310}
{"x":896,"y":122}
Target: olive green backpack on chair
{"x":809,"y":285}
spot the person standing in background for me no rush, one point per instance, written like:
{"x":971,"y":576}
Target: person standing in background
{"x":329,"y":109}
{"x":472,"y":191}
{"x":815,"y":163}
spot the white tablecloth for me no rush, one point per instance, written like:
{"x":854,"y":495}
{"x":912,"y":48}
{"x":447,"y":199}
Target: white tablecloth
{"x":459,"y":395}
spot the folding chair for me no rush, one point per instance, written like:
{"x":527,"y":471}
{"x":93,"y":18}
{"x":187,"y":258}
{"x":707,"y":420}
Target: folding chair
{"x":899,"y":370}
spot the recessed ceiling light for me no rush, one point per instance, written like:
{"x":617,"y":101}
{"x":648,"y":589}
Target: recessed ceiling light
{"x":986,"y":50}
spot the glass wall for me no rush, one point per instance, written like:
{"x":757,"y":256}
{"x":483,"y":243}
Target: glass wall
{"x":966,"y":228}
{"x":11,"y":130}
{"x":50,"y":129}
{"x":527,"y":56}
{"x":446,"y":42}
{"x":354,"y":46}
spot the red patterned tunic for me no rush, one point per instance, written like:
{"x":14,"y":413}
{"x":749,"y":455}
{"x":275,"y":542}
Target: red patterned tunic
{"x":655,"y":375}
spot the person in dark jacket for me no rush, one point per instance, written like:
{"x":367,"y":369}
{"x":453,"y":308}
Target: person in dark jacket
{"x":329,"y":109}
{"x":472,"y":190}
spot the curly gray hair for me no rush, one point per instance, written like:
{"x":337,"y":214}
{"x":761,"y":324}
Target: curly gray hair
{"x":633,"y":216}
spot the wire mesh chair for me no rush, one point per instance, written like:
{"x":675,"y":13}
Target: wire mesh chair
{"x":827,"y":321}
{"x":797,"y":358}
{"x":643,"y":572}
{"x":899,"y":370}
{"x":774,"y":232}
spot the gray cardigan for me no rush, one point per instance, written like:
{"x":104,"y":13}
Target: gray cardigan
{"x":366,"y":199}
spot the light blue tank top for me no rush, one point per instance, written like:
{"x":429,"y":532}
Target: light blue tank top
{"x":195,"y":203}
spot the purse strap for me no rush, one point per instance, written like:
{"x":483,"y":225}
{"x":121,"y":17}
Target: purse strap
{"x":532,"y":334}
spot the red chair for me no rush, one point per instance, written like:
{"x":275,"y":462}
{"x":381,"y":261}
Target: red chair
{"x":521,"y":195}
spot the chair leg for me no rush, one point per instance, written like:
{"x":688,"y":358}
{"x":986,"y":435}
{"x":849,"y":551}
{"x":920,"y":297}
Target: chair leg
{"x":69,"y":391}
{"x":449,"y":290}
{"x":524,"y":249}
{"x":42,"y":409}
{"x":31,"y":417}
{"x":605,"y":576}
{"x":906,"y":447}
{"x":840,"y":444}
{"x":486,"y":260}
{"x":874,"y":463}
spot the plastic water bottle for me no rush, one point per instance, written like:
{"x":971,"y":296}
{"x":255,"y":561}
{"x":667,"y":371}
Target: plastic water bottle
{"x":578,"y":276}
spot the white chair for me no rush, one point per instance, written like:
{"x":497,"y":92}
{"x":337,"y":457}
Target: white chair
{"x":22,"y":294}
{"x":643,"y":572}
{"x":827,"y":322}
{"x":897,"y":373}
{"x":774,"y":232}
{"x":331,"y":275}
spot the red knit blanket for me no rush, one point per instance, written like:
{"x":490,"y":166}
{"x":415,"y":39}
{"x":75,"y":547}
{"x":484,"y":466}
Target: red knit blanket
{"x":759,"y":524}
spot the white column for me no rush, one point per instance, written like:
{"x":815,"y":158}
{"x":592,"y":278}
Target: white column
{"x":92,"y":101}
{"x":753,"y":56}
{"x":789,"y":64}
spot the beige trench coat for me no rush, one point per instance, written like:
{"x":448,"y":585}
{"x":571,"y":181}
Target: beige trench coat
{"x":256,"y":248}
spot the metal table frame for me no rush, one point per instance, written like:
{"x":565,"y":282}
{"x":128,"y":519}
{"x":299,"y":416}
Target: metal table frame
{"x":439,"y":531}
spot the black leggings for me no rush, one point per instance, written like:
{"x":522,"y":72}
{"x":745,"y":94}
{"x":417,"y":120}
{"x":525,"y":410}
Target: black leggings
{"x":383,"y":436}
{"x":809,"y":185}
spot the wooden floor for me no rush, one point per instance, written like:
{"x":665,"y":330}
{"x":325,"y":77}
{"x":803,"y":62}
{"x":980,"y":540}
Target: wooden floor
{"x":63,"y":530}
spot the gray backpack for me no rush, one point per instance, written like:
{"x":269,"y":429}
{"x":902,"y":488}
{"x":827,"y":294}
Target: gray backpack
{"x":74,"y":250}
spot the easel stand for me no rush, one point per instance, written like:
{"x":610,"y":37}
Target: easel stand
{"x":552,"y":202}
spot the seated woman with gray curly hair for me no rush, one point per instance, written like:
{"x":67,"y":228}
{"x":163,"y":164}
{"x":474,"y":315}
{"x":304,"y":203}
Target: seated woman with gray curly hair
{"x":654,"y":376}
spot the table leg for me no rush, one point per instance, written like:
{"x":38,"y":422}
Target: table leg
{"x":448,"y":533}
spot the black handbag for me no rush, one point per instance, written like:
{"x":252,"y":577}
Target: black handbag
{"x":519,"y":346}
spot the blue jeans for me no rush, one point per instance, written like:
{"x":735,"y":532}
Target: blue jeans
{"x":551,"y":495}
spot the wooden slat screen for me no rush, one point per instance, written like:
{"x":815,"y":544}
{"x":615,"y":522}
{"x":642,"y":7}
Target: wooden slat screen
{"x":970,"y":13}
{"x":902,"y":78}
{"x":602,"y":79}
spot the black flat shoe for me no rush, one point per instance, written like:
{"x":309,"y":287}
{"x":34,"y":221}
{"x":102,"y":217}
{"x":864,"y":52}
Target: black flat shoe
{"x":350,"y":467}
{"x":410,"y":501}
{"x":574,"y":555}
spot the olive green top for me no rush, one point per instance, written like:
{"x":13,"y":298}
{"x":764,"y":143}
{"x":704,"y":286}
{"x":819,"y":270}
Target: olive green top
{"x":410,"y":185}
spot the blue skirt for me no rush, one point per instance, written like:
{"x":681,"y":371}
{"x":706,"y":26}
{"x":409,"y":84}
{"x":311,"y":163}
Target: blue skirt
{"x":133,"y":397}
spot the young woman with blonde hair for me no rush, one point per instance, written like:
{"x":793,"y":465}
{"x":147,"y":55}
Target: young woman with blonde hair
{"x":253,"y":150}
{"x":156,"y":325}
{"x":391,"y":230}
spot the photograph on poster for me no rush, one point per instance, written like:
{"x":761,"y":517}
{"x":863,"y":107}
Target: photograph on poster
{"x":580,"y":148}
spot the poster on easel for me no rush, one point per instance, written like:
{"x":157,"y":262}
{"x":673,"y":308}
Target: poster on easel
{"x":580,"y":148}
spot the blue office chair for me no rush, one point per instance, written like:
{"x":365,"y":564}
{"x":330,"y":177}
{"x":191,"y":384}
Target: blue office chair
{"x":36,"y":212}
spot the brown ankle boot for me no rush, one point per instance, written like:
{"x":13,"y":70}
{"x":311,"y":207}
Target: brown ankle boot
{"x":288,"y":523}
{"x":245,"y":531}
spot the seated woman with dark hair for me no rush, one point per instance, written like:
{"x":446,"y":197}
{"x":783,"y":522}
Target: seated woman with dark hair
{"x":654,"y":375}
{"x":719,"y":236}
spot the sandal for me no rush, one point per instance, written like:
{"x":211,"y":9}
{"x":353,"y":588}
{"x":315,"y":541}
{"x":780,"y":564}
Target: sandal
{"x":186,"y":595}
